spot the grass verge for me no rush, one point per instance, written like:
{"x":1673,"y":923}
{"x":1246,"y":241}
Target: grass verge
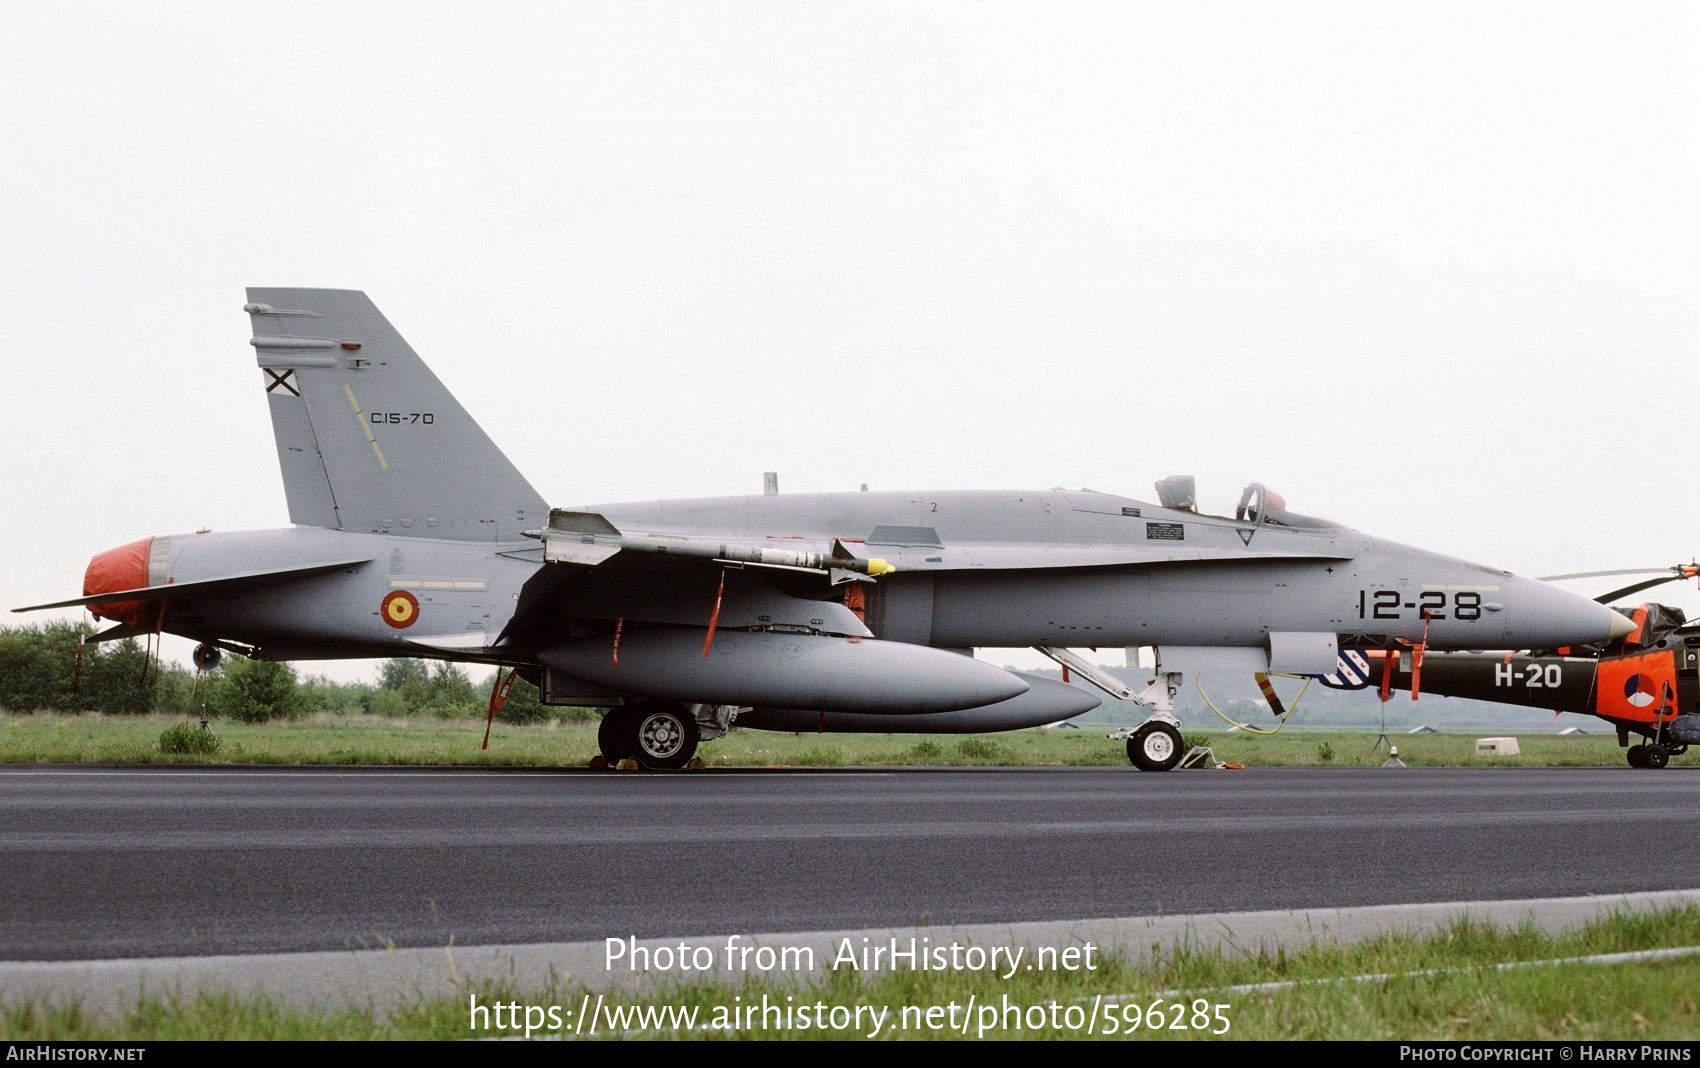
{"x":326,"y":739}
{"x":1439,"y":986}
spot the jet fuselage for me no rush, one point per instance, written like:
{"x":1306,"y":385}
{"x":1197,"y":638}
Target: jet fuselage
{"x":973,"y":569}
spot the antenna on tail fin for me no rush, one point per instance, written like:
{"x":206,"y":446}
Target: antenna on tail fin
{"x":368,"y":439}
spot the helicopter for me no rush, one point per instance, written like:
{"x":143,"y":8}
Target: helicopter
{"x":1646,"y":683}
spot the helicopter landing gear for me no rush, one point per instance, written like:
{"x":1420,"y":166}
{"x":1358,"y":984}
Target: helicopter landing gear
{"x":1652,"y":756}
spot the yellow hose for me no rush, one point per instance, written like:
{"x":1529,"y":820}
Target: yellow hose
{"x":1198,"y":680}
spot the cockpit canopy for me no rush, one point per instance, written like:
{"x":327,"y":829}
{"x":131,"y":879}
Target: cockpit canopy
{"x":1251,"y":502}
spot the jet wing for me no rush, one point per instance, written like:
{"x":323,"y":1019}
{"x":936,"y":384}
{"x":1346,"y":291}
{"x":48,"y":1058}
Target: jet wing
{"x":606,"y":572}
{"x":587,"y":539}
{"x":240,"y":581}
{"x":1019,"y":556}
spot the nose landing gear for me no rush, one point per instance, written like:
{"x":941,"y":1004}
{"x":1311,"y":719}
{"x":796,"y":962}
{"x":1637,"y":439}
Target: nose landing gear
{"x":1152,"y":745}
{"x":1155,"y":746}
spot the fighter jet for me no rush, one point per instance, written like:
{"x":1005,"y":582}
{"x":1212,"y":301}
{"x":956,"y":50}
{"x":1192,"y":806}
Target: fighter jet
{"x":413,"y":535}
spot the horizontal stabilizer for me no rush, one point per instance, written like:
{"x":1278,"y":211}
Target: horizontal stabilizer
{"x":117,"y":632}
{"x":242,"y":581}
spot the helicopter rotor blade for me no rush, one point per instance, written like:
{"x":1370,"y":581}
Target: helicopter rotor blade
{"x":1608,"y":598}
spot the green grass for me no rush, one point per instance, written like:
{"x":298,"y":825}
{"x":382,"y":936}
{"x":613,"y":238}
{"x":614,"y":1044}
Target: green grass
{"x":1465,"y":998}
{"x":325,"y":739}
{"x":189,"y":738}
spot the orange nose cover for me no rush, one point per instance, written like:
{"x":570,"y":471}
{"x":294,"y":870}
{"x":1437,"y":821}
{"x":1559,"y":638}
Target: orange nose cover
{"x":123,"y":568}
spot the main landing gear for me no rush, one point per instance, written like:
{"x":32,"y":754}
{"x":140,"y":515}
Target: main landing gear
{"x":1653,"y":755}
{"x":659,"y":735}
{"x":1667,"y":739}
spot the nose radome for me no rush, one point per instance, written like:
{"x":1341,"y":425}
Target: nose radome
{"x":1544,"y":616}
{"x":1621,"y":625}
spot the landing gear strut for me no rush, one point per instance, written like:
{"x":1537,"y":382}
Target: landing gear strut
{"x":1154,"y":744}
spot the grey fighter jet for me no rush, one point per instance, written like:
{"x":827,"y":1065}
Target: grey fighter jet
{"x":414,"y":535}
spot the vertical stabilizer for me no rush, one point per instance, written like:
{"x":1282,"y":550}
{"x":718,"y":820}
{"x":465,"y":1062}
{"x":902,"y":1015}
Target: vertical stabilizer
{"x":367,"y":437}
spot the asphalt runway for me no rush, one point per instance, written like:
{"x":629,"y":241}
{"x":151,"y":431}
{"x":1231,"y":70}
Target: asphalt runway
{"x":102,"y":863}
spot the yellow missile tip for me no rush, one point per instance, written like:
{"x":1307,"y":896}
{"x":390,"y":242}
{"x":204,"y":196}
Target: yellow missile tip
{"x":876,"y":566}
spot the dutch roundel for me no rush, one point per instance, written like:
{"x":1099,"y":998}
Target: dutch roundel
{"x":1638,"y":690}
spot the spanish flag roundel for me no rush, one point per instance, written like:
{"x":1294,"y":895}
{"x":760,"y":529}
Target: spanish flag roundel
{"x":400,"y":609}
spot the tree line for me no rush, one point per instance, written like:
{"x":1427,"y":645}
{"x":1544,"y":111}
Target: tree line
{"x":40,"y":672}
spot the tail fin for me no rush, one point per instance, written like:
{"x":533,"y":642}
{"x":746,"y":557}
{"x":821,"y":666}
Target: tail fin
{"x":368,"y":438}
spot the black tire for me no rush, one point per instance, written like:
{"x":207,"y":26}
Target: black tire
{"x":1637,"y":756}
{"x":1656,"y":757}
{"x":1155,"y":747}
{"x":613,"y":736}
{"x":663,"y":736}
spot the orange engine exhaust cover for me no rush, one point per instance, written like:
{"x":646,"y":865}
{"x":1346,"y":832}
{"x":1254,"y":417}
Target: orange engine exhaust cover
{"x":123,"y":568}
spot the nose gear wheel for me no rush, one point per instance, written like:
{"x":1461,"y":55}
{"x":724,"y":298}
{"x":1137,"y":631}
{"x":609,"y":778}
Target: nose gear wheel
{"x":1155,"y":747}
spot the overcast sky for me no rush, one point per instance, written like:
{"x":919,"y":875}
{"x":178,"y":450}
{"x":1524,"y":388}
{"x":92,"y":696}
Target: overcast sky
{"x":1433,"y":270}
